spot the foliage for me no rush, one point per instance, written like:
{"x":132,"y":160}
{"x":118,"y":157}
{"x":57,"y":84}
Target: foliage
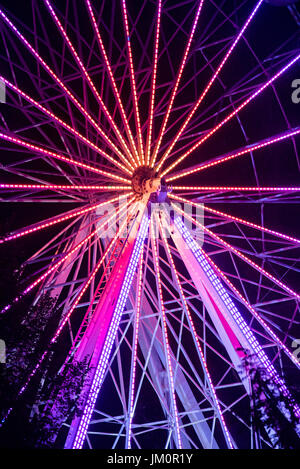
{"x":51,"y":397}
{"x":272,"y":413}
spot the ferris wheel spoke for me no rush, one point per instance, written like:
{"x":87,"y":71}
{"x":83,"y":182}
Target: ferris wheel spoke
{"x":112,"y":79}
{"x":210,"y":83}
{"x":165,"y":339}
{"x":54,"y":220}
{"x":234,"y":189}
{"x":282,"y":285}
{"x":266,"y":328}
{"x":56,"y":335}
{"x":62,"y":86}
{"x":153,"y":82}
{"x":64,"y":187}
{"x":229,"y":156}
{"x":65,"y":257}
{"x":93,"y":87}
{"x":133,"y":83}
{"x":233,"y":113}
{"x":65,"y":159}
{"x":243,"y":333}
{"x":196,"y":340}
{"x":175,"y":88}
{"x":239,"y":220}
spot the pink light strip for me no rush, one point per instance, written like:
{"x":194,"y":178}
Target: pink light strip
{"x":90,"y":82}
{"x":135,"y":344}
{"x":166,"y":339}
{"x":253,"y":311}
{"x":183,"y":62}
{"x":196,"y":340}
{"x":88,"y":282}
{"x":239,"y":220}
{"x":235,"y":188}
{"x":63,"y":124}
{"x":230,"y":156}
{"x":65,"y":159}
{"x":60,"y":328}
{"x":61,"y":85}
{"x":112,"y":79}
{"x":55,"y":187}
{"x":133,"y":84}
{"x":232,"y":114}
{"x":47,"y":224}
{"x":210,"y":83}
{"x":153,"y":84}
{"x":69,"y":254}
{"x":111,"y":335}
{"x":241,"y":323}
{"x":239,"y":254}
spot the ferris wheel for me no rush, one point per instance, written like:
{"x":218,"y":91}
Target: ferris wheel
{"x":164,"y":125}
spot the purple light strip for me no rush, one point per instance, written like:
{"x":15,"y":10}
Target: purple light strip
{"x":64,"y":88}
{"x":166,"y":339}
{"x":197,"y":342}
{"x":212,"y":80}
{"x":135,"y":344}
{"x":103,"y":362}
{"x":89,"y":80}
{"x":252,"y":341}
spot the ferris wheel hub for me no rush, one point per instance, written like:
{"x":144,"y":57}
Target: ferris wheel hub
{"x":145,"y":181}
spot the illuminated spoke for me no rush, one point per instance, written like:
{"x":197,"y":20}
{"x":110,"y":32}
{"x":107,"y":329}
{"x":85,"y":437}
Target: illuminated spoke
{"x":112,"y":79}
{"x":196,"y":340}
{"x":62,"y":86}
{"x":153,"y":83}
{"x":63,"y":158}
{"x":252,"y":310}
{"x":241,"y":256}
{"x":234,"y":188}
{"x":175,"y":88}
{"x":232,"y":114}
{"x":166,"y":339}
{"x":238,"y":220}
{"x":210,"y":83}
{"x":230,"y":156}
{"x":133,"y":84}
{"x":92,"y":86}
{"x":65,"y":257}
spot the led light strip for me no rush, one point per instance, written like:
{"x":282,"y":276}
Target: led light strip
{"x":91,"y":84}
{"x":60,"y":83}
{"x":66,"y":256}
{"x":153,"y":84}
{"x":232,"y":114}
{"x":50,"y":187}
{"x":242,"y":256}
{"x":135,"y":344}
{"x":252,"y":341}
{"x":239,"y":220}
{"x":114,"y":86}
{"x":103,"y":362}
{"x":210,"y":83}
{"x":71,"y":130}
{"x":253,"y":311}
{"x":166,"y":339}
{"x":235,"y":188}
{"x":67,"y":317}
{"x":133,"y":84}
{"x":197,"y":342}
{"x":231,"y":156}
{"x":183,"y":62}
{"x":63,"y":218}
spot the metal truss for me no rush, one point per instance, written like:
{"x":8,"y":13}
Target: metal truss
{"x":161,"y":306}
